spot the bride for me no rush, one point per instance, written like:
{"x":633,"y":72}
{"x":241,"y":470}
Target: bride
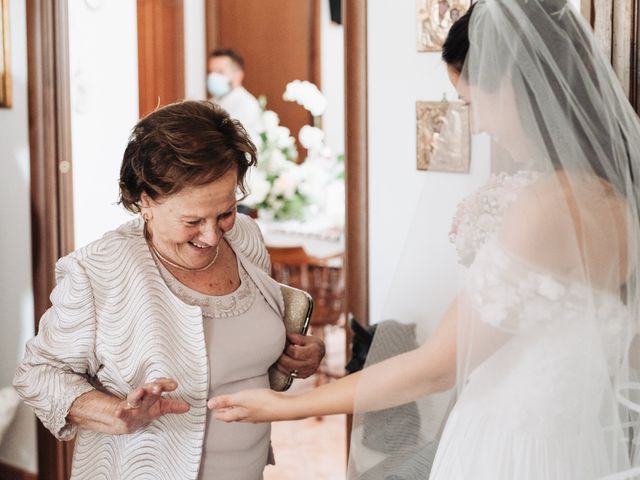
{"x":538,"y":346}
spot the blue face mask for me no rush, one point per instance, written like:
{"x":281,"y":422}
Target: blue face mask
{"x":218,"y":85}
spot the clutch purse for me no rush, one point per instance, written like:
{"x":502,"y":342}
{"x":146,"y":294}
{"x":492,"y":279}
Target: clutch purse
{"x":298,"y":306}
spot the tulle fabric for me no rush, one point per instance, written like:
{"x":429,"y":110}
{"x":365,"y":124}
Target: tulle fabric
{"x":543,"y":267}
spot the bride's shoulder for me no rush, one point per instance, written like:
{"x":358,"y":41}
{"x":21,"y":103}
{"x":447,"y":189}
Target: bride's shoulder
{"x":558,"y":216}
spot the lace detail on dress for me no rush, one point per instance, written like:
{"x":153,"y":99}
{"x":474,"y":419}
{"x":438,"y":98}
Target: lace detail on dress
{"x":480,"y":214}
{"x":223,"y":306}
{"x":509,"y":294}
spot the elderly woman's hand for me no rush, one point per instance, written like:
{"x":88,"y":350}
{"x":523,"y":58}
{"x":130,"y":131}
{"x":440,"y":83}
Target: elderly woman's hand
{"x":302,"y":356}
{"x":145,"y":404}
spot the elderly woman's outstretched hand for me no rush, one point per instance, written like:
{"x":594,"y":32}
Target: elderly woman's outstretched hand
{"x":251,"y":406}
{"x":302,"y":356}
{"x":145,"y":404}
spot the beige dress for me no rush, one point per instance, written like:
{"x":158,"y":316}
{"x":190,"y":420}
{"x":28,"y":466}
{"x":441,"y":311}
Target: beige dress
{"x":244,"y":336}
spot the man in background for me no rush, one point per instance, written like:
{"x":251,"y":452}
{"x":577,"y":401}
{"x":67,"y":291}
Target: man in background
{"x":224,"y":83}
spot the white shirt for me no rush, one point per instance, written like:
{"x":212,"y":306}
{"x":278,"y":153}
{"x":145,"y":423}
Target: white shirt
{"x":242,"y":106}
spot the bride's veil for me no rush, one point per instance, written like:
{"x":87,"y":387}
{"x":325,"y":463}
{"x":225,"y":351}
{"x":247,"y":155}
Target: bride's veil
{"x":542,"y":259}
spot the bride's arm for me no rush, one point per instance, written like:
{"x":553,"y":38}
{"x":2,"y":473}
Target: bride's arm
{"x":398,"y":380}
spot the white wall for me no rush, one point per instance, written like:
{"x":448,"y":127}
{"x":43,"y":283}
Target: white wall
{"x":16,"y":294}
{"x":332,"y":71}
{"x":398,"y":76}
{"x":195,"y":54}
{"x":104,"y":101}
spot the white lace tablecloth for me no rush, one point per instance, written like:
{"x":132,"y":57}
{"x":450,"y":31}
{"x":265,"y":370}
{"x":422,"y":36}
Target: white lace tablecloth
{"x":318,"y":239}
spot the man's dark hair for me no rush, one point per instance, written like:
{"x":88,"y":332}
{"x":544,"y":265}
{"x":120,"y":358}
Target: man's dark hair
{"x":228,"y":52}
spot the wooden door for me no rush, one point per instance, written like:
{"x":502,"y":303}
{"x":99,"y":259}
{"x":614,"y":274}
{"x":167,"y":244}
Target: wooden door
{"x":279,"y":41}
{"x":160,"y":53}
{"x":615,"y":24}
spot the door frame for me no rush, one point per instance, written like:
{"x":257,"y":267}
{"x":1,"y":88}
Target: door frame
{"x":356,"y":159}
{"x":354,"y":14}
{"x":51,"y":179}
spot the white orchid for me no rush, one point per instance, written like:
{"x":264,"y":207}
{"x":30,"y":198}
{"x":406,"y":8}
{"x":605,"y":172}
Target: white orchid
{"x":276,"y":162}
{"x":313,"y":188}
{"x":259,"y":187}
{"x":283,"y":138}
{"x":286,"y":184}
{"x":306,"y":94}
{"x":311,"y":138}
{"x":269,"y":120}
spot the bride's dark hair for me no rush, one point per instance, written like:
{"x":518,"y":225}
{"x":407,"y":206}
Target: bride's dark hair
{"x":456,"y":45}
{"x":573,"y":66}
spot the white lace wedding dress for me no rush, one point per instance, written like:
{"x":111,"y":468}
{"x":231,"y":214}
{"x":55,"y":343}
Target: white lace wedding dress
{"x":531,"y":408}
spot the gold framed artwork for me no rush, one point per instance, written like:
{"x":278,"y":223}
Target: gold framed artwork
{"x":5,"y":70}
{"x":435,"y":17}
{"x":443,"y":137}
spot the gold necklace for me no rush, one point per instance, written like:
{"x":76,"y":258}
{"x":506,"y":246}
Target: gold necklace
{"x":175,"y":265}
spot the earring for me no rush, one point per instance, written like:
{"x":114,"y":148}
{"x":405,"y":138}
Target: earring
{"x":145,"y":217}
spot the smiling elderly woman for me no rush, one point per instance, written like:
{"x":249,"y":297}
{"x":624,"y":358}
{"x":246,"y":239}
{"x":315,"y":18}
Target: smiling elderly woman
{"x":171,"y":308}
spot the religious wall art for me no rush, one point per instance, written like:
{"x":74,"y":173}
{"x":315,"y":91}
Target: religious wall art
{"x":435,"y":17}
{"x":5,"y":71}
{"x":443,"y":136}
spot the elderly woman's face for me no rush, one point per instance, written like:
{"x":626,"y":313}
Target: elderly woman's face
{"x":188,"y":226}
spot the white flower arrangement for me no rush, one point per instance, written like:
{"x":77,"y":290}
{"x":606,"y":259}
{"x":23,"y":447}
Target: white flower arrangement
{"x":282,"y":189}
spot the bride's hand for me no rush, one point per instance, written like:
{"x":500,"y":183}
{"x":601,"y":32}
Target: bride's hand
{"x":250,"y":406}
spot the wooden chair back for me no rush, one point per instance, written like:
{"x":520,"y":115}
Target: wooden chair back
{"x":321,"y":277}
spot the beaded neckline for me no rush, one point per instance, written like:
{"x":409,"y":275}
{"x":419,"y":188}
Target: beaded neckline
{"x":479,"y":215}
{"x":214,"y":306}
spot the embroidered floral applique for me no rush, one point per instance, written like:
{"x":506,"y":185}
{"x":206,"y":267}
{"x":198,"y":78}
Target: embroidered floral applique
{"x":224,"y":306}
{"x":480,"y":215}
{"x":509,"y":294}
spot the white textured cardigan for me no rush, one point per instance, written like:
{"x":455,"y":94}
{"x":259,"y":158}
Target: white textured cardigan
{"x":114,"y":321}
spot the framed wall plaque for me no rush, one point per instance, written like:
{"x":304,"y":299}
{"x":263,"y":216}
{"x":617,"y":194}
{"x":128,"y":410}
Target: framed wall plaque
{"x":435,"y":17}
{"x":443,"y":137}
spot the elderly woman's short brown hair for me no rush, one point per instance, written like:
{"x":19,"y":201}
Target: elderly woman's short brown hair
{"x":184,"y":144}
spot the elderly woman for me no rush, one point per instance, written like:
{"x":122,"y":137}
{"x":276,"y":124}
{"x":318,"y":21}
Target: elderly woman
{"x":171,"y":308}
